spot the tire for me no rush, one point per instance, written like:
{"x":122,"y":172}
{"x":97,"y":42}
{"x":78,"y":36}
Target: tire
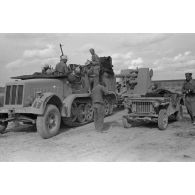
{"x":126,"y":124}
{"x":81,"y":117}
{"x":89,"y":112}
{"x":48,"y":125}
{"x":107,"y":107}
{"x":111,"y":109}
{"x":162,"y":119}
{"x":3,"y":127}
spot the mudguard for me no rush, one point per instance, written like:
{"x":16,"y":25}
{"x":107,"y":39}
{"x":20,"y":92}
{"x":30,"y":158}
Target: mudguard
{"x":41,"y":102}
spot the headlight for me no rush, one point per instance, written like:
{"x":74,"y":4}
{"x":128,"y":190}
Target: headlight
{"x":156,"y":104}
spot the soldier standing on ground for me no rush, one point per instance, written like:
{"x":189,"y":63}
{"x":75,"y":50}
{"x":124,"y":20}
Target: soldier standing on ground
{"x":98,"y":93}
{"x":188,"y":90}
{"x":61,"y":67}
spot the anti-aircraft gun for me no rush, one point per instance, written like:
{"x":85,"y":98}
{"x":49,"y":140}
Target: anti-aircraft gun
{"x":133,"y":82}
{"x":47,"y":99}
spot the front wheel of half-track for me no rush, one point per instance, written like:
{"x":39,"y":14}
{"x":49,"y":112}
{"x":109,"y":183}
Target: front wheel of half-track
{"x":48,"y":125}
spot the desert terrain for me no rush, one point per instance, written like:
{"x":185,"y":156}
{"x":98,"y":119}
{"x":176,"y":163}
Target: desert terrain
{"x":142,"y":142}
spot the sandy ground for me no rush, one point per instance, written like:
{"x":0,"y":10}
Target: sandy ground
{"x":143,"y":142}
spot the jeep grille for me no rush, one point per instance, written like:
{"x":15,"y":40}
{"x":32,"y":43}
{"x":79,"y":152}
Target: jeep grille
{"x":14,"y":95}
{"x":142,"y":107}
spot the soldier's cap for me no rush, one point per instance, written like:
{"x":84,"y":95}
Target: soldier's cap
{"x":64,"y":57}
{"x":188,"y":73}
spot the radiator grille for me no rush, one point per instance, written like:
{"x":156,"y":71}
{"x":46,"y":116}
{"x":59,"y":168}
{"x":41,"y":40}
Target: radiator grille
{"x":8,"y":95}
{"x":142,"y":107}
{"x":20,"y":94}
{"x":14,"y":95}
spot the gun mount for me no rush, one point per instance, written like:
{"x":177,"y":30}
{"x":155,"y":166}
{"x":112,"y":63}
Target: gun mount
{"x":134,"y":81}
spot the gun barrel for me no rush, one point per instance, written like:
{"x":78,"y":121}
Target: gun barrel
{"x":61,"y":49}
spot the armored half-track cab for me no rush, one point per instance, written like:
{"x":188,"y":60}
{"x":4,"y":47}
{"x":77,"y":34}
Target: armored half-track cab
{"x":45,"y":100}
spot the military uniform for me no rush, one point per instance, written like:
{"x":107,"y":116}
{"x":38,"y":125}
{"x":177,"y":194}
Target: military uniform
{"x":189,"y":90}
{"x":61,"y":68}
{"x":95,"y":59}
{"x":98,"y":105}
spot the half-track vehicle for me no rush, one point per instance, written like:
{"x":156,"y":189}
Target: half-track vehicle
{"x":47,"y":99}
{"x":159,"y":105}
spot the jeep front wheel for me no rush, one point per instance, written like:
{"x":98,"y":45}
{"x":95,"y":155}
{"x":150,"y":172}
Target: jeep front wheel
{"x":162,"y":119}
{"x":48,"y":125}
{"x":126,"y":124}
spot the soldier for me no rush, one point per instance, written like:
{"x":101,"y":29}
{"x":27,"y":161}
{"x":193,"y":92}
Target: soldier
{"x":95,"y":61}
{"x":61,"y":67}
{"x":188,"y":90}
{"x":98,"y":93}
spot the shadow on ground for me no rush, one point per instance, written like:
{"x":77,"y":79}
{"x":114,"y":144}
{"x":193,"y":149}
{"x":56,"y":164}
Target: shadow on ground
{"x":108,"y":125}
{"x":186,"y":134}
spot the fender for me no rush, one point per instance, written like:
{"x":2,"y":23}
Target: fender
{"x":41,"y":102}
{"x":67,"y":103}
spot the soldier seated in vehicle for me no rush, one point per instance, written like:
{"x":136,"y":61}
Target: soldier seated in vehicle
{"x":47,"y":69}
{"x":61,"y":67}
{"x":95,"y":60}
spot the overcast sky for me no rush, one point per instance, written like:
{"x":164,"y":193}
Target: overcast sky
{"x":170,"y":55}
